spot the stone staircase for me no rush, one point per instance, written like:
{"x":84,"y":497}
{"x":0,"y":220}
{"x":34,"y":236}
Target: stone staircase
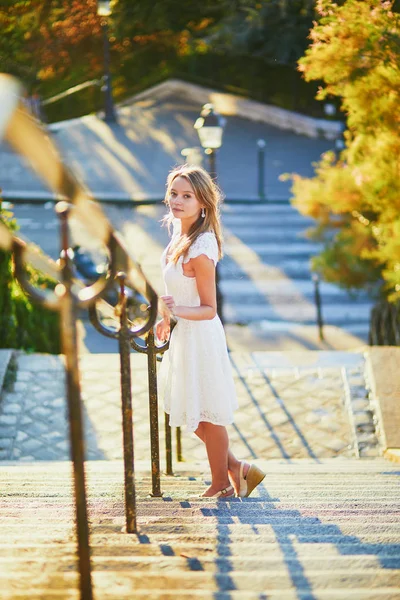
{"x":326,"y":529}
{"x":265,"y":273}
{"x":325,"y":523}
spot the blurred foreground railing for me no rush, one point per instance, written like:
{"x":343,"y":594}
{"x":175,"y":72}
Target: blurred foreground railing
{"x":20,"y":130}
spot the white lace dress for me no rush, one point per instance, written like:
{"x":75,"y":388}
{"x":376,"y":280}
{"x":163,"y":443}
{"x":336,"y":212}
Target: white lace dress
{"x":195,"y":376}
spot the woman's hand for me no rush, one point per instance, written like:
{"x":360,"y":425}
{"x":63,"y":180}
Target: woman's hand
{"x":163,"y":330}
{"x":170,"y":302}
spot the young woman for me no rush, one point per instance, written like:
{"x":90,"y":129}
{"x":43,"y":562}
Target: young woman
{"x":196,"y":376}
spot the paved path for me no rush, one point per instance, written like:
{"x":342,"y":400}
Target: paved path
{"x":131,"y":160}
{"x":292,"y":405}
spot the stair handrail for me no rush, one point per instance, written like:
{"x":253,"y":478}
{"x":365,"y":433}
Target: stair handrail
{"x":32,"y":254}
{"x":21,"y":131}
{"x":26,"y":137}
{"x":24,"y":252}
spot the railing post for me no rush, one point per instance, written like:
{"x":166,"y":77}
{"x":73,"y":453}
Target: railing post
{"x":261,"y":168}
{"x":127,"y":417}
{"x":179,"y":456}
{"x":123,"y":337}
{"x":153,"y":407}
{"x":70,"y":350}
{"x":168,"y":445}
{"x":317,"y":297}
{"x":152,"y":350}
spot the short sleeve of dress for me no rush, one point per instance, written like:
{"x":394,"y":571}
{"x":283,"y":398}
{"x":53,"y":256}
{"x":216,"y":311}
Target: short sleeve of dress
{"x":206,"y":244}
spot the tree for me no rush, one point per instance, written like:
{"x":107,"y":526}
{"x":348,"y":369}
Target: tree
{"x":250,"y":46}
{"x":355,"y":52}
{"x":51,"y":44}
{"x":274,"y":30}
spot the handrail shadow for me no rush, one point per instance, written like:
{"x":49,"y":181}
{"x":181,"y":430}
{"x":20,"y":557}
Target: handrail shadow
{"x":304,"y":529}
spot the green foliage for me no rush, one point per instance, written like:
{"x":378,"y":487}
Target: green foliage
{"x":274,"y":30}
{"x":355,"y":51}
{"x":51,"y":44}
{"x":24,"y":325}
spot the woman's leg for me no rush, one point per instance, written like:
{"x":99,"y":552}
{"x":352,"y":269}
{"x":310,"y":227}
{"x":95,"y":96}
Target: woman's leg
{"x":217,"y":449}
{"x":217,"y":446}
{"x":233,"y":462}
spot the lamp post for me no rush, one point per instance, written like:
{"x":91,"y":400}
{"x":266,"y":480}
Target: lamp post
{"x":104,"y":11}
{"x":210,"y":127}
{"x":261,"y":168}
{"x":340,"y":141}
{"x":330,"y":111}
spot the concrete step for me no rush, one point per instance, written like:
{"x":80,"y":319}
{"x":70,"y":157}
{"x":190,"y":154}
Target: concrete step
{"x":265,"y":208}
{"x":266,"y":233}
{"x":247,"y":291}
{"x":269,"y":268}
{"x":315,"y":529}
{"x":291,"y":310}
{"x":335,"y":594}
{"x":235,"y":222}
{"x":103,"y":560}
{"x":298,"y":249}
{"x":206,"y":581}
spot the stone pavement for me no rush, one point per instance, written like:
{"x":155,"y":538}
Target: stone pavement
{"x":130,"y":161}
{"x":292,"y":405}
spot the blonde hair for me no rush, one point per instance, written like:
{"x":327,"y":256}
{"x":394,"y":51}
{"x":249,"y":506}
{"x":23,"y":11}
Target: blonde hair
{"x":209,"y":195}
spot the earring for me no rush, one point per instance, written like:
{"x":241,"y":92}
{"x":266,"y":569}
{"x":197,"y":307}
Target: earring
{"x":203,"y":214}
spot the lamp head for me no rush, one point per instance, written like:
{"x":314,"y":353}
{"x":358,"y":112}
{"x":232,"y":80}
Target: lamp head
{"x":329,"y":109}
{"x":103,"y":8}
{"x":209,"y":127}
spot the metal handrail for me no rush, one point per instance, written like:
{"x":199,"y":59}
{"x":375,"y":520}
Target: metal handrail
{"x":28,"y":140}
{"x":151,"y":349}
{"x":127,"y":338}
{"x":72,"y":90}
{"x":22,"y":132}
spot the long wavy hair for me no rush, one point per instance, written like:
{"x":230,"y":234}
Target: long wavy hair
{"x":209,"y":195}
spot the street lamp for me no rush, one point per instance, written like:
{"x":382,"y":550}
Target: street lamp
{"x":261,"y":144}
{"x":330,"y":109}
{"x":210,"y":127}
{"x":340,"y":143}
{"x":104,"y":11}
